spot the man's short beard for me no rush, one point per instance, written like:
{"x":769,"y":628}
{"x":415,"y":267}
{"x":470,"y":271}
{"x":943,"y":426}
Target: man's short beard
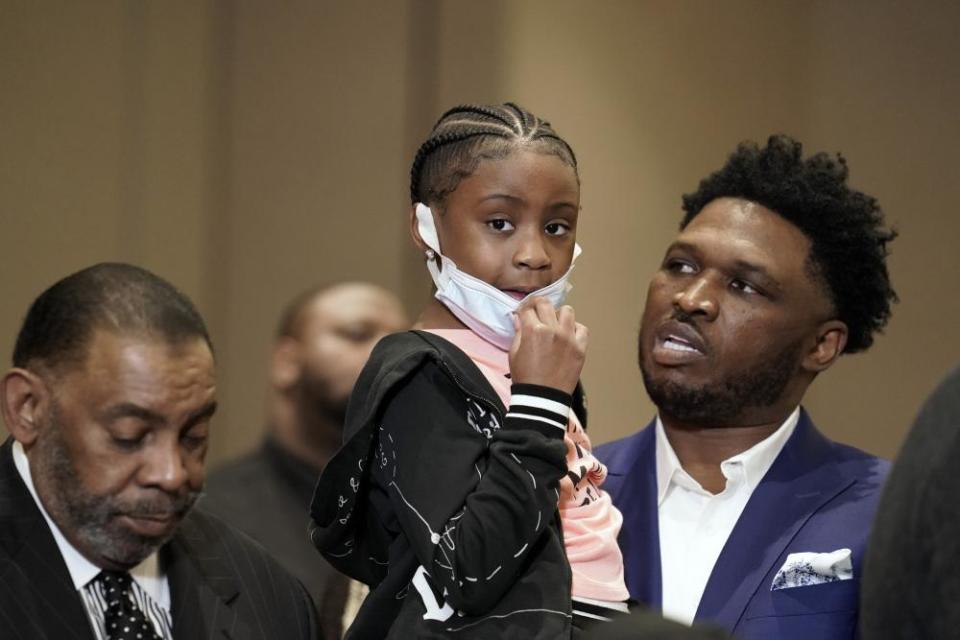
{"x":315,"y":403}
{"x":92,"y":519}
{"x":723,"y":403}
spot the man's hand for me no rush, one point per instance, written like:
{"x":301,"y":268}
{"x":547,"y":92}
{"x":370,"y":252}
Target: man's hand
{"x":550,"y":346}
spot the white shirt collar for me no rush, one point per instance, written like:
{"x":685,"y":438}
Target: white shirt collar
{"x":82,"y":571}
{"x":754,"y":462}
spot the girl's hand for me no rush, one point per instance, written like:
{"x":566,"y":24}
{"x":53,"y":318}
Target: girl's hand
{"x":550,"y":346}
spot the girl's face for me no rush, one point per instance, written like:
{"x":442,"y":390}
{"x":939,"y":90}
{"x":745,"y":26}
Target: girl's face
{"x":513,"y":222}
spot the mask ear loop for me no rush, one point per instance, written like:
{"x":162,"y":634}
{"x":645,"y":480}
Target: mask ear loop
{"x":426,"y":226}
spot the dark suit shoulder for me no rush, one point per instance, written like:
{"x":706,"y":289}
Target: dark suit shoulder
{"x":208,"y":533}
{"x":220,"y":576}
{"x":206,"y":538}
{"x":240,"y":491}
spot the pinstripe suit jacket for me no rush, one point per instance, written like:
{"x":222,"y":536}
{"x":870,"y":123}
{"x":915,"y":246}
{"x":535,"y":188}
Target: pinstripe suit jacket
{"x":223,"y":585}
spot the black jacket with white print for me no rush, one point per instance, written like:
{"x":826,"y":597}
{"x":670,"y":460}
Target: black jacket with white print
{"x":445,"y":503}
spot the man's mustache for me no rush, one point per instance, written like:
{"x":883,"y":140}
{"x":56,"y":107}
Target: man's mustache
{"x":159,"y":507}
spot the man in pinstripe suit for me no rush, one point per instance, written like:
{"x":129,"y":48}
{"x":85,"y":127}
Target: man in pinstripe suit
{"x":109,"y":403}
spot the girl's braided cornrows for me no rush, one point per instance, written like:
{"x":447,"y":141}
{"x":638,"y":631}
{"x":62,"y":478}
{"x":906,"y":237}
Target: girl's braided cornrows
{"x":466,"y":134}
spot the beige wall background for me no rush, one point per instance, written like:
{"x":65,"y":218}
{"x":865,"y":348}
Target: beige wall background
{"x":246,"y":150}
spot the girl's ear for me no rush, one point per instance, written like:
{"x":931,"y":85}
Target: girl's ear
{"x":415,"y":230}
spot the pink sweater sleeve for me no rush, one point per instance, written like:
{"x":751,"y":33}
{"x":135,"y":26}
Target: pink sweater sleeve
{"x":590,"y":523}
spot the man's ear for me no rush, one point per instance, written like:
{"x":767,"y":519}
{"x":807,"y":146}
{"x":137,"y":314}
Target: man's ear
{"x":831,"y":340}
{"x":23,"y":399}
{"x":285,"y":365}
{"x":415,"y":231}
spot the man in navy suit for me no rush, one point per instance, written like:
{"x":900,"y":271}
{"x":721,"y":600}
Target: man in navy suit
{"x":737,"y":510}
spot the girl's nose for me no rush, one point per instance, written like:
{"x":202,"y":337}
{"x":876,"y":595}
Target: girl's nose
{"x":531,"y":252}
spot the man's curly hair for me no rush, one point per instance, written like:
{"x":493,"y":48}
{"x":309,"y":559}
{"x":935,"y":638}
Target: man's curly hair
{"x":845,"y":227}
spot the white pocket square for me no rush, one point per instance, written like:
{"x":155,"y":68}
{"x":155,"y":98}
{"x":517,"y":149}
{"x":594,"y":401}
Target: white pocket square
{"x":807,"y":568}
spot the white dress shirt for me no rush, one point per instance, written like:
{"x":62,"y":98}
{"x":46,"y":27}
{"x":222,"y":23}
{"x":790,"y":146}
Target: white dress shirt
{"x":695,"y":524}
{"x":151,"y":589}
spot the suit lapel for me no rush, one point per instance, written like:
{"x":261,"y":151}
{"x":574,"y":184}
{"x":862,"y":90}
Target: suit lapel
{"x":800,"y":481}
{"x":203,"y":589}
{"x":640,"y":534}
{"x":36,"y":592}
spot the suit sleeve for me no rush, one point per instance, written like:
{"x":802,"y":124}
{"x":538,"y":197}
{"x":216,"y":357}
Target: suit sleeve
{"x":309,"y":615}
{"x":471,"y":495}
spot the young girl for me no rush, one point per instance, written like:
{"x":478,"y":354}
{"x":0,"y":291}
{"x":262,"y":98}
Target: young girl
{"x":465,"y":493}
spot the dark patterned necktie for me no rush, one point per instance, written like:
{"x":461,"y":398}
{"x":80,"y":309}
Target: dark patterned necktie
{"x":123,"y":619}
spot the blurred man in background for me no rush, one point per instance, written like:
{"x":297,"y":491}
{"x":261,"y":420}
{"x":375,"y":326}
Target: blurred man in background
{"x":324,"y":338}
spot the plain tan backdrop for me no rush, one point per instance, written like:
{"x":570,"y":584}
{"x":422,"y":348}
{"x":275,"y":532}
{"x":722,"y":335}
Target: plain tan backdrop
{"x":246,"y":150}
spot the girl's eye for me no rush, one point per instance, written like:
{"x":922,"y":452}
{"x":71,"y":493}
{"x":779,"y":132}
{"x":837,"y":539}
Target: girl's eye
{"x":557,"y":229}
{"x":500,"y":224}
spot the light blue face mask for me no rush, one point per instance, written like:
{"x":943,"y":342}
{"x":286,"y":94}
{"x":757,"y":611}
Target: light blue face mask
{"x":482,"y":307}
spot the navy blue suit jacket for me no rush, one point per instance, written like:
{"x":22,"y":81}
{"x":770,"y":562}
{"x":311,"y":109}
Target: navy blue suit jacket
{"x":818,"y":496}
